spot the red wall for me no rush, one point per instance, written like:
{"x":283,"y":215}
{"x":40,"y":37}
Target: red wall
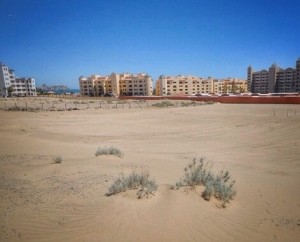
{"x":225,"y":99}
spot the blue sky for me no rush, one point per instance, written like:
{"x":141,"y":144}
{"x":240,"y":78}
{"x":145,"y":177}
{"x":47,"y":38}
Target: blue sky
{"x":56,"y":41}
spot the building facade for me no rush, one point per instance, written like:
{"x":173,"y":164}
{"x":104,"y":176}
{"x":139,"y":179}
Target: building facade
{"x":192,"y":85}
{"x":274,"y":80}
{"x":12,"y":86}
{"x":119,"y":84}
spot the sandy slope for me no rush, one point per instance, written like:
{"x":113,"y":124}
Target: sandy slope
{"x":40,"y":201}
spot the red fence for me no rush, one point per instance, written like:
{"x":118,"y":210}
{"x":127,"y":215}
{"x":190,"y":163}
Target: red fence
{"x":225,"y":99}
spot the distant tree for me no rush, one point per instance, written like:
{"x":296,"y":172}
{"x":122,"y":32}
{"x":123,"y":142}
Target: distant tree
{"x":241,"y":90}
{"x":225,"y":88}
{"x":234,"y":87}
{"x":101,"y":90}
{"x":10,"y":90}
{"x":5,"y":89}
{"x":95,"y":91}
{"x":154,"y":91}
{"x":40,"y":91}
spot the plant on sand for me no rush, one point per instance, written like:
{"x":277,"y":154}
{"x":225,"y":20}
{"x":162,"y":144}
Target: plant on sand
{"x":141,"y":182}
{"x":109,"y":151}
{"x":163,"y":104}
{"x":57,"y":159}
{"x":218,"y":185}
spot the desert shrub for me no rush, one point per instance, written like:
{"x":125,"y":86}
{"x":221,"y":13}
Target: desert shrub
{"x":163,"y":104}
{"x":223,"y":187}
{"x":141,"y":182}
{"x":109,"y":151}
{"x":57,"y":159}
{"x":187,"y":104}
{"x":218,"y":185}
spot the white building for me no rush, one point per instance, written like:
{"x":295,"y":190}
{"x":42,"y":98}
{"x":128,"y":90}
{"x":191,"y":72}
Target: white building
{"x":6,"y":77}
{"x":12,"y":86}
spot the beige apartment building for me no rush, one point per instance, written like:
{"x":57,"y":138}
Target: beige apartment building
{"x":119,"y":84}
{"x":230,"y":85}
{"x":192,"y":85}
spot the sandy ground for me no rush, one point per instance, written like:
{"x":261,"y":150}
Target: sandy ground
{"x":42,"y":201}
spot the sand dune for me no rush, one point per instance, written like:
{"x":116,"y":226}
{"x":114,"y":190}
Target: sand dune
{"x":41,"y":201}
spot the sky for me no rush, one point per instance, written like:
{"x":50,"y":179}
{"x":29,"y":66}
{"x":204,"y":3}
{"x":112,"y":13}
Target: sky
{"x":57,"y":41}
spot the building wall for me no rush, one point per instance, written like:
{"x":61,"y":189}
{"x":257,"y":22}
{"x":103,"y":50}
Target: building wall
{"x":285,"y":80}
{"x":20,"y":86}
{"x":192,"y":85}
{"x":249,"y":78}
{"x":260,"y":81}
{"x":119,"y":84}
{"x":178,"y":85}
{"x":297,"y":76}
{"x":230,"y":85}
{"x":275,"y":79}
{"x":23,"y":87}
{"x":4,"y":79}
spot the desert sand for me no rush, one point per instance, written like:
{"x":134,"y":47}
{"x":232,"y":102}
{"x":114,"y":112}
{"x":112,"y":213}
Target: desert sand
{"x":42,"y":201}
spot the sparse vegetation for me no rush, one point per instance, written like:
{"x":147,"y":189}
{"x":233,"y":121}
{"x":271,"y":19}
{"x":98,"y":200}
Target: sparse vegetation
{"x":163,"y":104}
{"x":57,"y":159}
{"x":187,"y":104}
{"x":109,"y":151}
{"x":141,"y":182}
{"x":199,"y":173}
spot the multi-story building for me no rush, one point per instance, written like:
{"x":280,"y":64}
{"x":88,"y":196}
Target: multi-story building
{"x":119,"y":84}
{"x":6,"y":77}
{"x":230,"y":85}
{"x":24,"y":87}
{"x":274,"y":80}
{"x":178,"y":85}
{"x":192,"y":85}
{"x":12,"y":86}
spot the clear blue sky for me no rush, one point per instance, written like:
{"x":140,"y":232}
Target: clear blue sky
{"x":56,"y":41}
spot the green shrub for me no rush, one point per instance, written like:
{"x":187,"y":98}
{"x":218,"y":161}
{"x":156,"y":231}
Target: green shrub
{"x":199,"y":173}
{"x":57,"y":159}
{"x":134,"y":181}
{"x":109,"y":151}
{"x":163,"y":104}
{"x":187,"y":104}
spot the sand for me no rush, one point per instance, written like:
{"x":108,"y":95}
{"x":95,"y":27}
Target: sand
{"x":42,"y":201}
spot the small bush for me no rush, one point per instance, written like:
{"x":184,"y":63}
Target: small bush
{"x":163,"y":104}
{"x":198,"y":173}
{"x":141,"y":182}
{"x":109,"y":151}
{"x":57,"y":159}
{"x":187,"y":104}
